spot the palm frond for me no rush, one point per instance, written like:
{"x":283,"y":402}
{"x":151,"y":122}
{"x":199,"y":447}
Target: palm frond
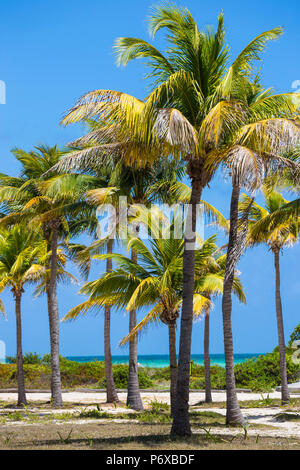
{"x":152,"y":316}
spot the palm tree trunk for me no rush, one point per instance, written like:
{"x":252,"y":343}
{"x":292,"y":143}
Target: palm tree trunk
{"x":56,"y":394}
{"x":181,"y":422}
{"x":285,"y":394}
{"x":208,"y":397}
{"x":111,"y":394}
{"x":20,"y":371}
{"x":233,"y":415}
{"x":173,"y":365}
{"x":133,"y":393}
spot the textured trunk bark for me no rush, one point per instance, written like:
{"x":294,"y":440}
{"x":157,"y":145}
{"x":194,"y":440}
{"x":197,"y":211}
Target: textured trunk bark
{"x":56,"y":394}
{"x":133,"y":394}
{"x":233,"y":415}
{"x":208,"y":397}
{"x":20,"y":371}
{"x":181,"y":422}
{"x":173,"y":365}
{"x":285,"y":395}
{"x":111,"y":394}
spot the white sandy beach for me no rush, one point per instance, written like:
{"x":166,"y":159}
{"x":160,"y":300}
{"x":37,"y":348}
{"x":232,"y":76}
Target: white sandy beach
{"x":100,"y":397}
{"x":265,"y":416}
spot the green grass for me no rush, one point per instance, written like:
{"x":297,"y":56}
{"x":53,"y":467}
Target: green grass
{"x":294,"y":404}
{"x":132,"y":436}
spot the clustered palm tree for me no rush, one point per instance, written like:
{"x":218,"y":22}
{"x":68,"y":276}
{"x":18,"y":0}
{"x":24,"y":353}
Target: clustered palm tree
{"x":277,"y":237}
{"x":28,"y":199}
{"x":24,"y":259}
{"x":155,"y":279}
{"x":204,"y":113}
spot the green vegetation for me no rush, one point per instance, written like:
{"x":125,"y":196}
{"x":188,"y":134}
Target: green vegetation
{"x":73,"y":374}
{"x":128,"y":436}
{"x":29,"y":358}
{"x":261,"y":374}
{"x":295,"y":336}
{"x":205,"y":112}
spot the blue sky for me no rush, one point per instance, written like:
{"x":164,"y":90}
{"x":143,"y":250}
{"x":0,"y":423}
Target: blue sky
{"x":54,"y":51}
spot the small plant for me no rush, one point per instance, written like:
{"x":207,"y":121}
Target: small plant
{"x":153,"y":417}
{"x":211,"y":436}
{"x":16,"y":416}
{"x":158,"y":406}
{"x":90,"y":441}
{"x":266,"y":401}
{"x":94,"y":413}
{"x":63,"y":416}
{"x":245,"y":429}
{"x":7,"y":440}
{"x":65,"y":440}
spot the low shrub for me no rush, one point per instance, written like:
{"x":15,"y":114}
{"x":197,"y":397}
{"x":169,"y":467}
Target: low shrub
{"x":73,"y":374}
{"x":260,"y":374}
{"x":28,"y":358}
{"x":120,"y":373}
{"x":263,"y":373}
{"x":217,"y":375}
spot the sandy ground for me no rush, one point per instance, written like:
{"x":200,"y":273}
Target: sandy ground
{"x":255,"y":416}
{"x":265,"y":416}
{"x":100,"y":397}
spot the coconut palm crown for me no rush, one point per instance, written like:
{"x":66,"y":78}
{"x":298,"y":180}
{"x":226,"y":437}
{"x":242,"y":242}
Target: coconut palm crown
{"x":277,"y":234}
{"x":198,"y":109}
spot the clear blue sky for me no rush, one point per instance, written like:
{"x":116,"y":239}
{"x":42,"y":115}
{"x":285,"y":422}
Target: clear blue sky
{"x":54,"y":51}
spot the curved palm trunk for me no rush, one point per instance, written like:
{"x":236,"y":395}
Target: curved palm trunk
{"x":208,"y":397}
{"x":20,"y":371}
{"x":56,"y":394}
{"x":285,"y":395}
{"x":181,"y":421}
{"x":133,"y":393}
{"x":233,"y":415}
{"x":111,"y":394}
{"x":173,"y":365}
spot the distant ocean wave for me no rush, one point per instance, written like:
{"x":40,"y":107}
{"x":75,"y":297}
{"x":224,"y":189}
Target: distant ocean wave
{"x":157,"y":360}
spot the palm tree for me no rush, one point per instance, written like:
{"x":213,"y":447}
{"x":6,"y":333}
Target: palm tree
{"x":277,"y":237}
{"x":20,"y":251}
{"x":106,"y":146}
{"x":285,"y":180}
{"x":248,"y":168}
{"x":99,"y":179}
{"x":226,"y":129}
{"x":212,"y":287}
{"x":197,"y":107}
{"x":28,"y":198}
{"x":154,"y":277}
{"x":162,"y":283}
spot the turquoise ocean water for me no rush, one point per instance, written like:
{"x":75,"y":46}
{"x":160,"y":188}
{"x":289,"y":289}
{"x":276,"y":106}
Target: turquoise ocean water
{"x":157,"y":360}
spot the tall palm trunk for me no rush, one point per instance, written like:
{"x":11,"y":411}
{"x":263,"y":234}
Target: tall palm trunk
{"x":20,"y":371}
{"x":56,"y":394}
{"x":285,"y":395}
{"x":133,"y":394}
{"x":208,"y":397}
{"x":111,"y":394}
{"x":181,"y":422}
{"x":233,"y":414}
{"x":173,"y":365}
